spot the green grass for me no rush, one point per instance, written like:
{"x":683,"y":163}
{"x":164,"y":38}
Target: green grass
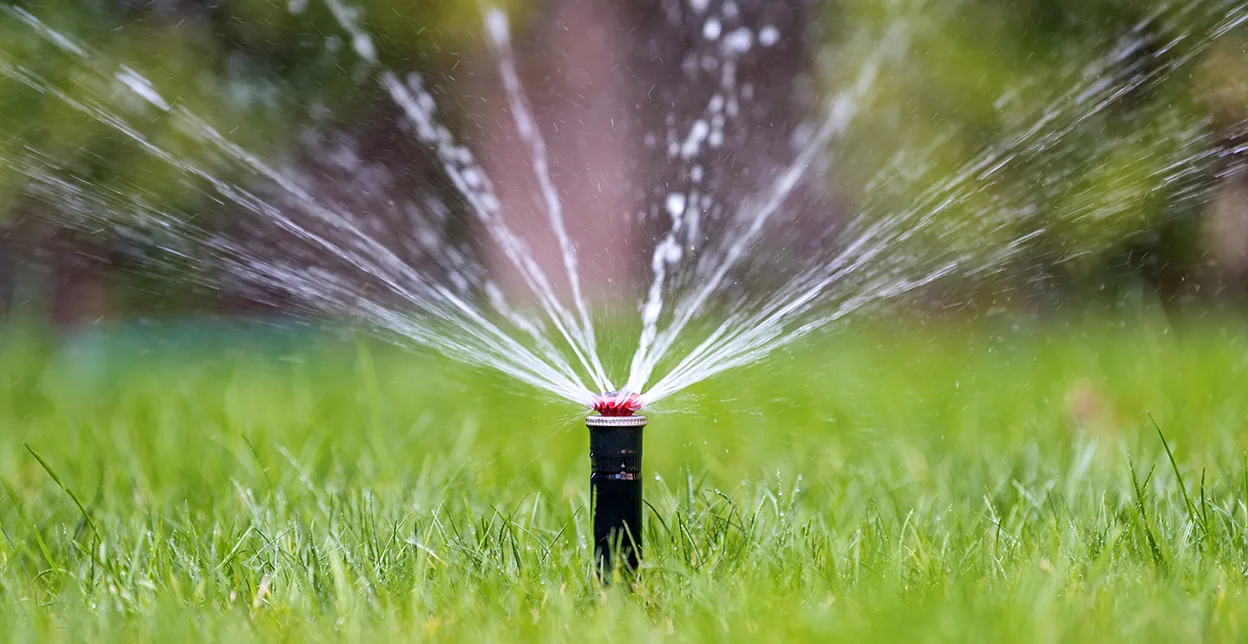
{"x":937,"y":484}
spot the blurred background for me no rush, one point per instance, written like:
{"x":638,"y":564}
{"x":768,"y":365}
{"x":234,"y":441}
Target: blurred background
{"x":277,"y":75}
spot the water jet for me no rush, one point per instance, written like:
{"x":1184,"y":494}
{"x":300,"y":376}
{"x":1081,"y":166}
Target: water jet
{"x":615,"y":489}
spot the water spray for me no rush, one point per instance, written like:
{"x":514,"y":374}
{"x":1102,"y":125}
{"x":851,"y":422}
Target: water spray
{"x":615,"y":479}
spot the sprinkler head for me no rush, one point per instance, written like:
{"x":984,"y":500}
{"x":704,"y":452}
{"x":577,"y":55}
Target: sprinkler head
{"x":615,"y":403}
{"x":615,"y":488}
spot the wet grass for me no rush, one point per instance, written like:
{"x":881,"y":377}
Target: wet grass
{"x":937,"y":484}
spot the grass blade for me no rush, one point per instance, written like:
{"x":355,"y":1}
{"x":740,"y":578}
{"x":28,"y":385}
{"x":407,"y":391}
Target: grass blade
{"x":48,"y":468}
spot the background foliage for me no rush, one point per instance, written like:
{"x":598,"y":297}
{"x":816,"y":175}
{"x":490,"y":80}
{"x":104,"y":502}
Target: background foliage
{"x":975,"y":74}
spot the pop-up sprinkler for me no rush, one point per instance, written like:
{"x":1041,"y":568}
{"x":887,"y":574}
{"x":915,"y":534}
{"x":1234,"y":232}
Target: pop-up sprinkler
{"x":615,"y":479}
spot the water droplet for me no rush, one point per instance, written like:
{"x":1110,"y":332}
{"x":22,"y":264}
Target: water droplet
{"x":711,"y":29}
{"x":675,"y":205}
{"x":741,"y":40}
{"x":496,"y":26}
{"x":768,"y":36}
{"x":363,"y":46}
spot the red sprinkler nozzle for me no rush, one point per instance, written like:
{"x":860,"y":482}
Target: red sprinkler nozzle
{"x":614,"y":403}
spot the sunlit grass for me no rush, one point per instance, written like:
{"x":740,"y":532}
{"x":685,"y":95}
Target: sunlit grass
{"x":948,"y":484}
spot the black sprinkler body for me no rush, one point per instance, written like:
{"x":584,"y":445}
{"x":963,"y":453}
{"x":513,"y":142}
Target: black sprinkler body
{"x":615,"y":489}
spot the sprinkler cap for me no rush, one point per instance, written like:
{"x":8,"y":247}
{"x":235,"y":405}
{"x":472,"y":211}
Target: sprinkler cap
{"x":615,"y":403}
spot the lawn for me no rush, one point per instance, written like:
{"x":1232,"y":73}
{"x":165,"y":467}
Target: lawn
{"x":940,"y":482}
